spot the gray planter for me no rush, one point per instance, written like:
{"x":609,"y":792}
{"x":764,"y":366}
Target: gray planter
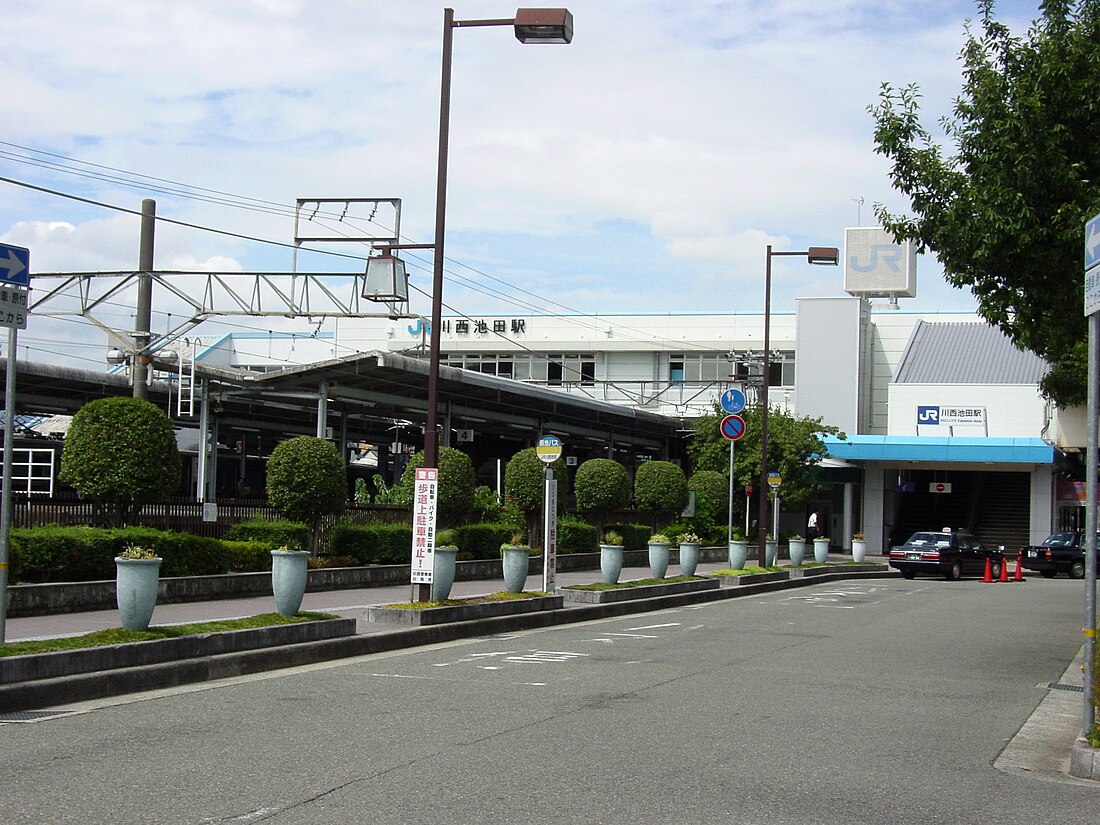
{"x":611,"y":562}
{"x":443,"y":572}
{"x":739,"y":554}
{"x":136,"y":591}
{"x":797,"y":550}
{"x":821,"y":550}
{"x":689,"y":557}
{"x":771,"y":552}
{"x":289,"y":571}
{"x":515,"y":562}
{"x":658,"y":559}
{"x":859,"y":550}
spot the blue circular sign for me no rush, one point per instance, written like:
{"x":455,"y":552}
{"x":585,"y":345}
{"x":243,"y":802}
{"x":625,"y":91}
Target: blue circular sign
{"x":732,"y":427}
{"x":733,"y":401}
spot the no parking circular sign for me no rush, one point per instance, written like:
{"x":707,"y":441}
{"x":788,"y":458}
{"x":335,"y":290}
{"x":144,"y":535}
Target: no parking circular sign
{"x":732,"y":427}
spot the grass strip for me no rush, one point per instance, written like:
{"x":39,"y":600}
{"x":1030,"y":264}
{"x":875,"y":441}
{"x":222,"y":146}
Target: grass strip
{"x":502,"y":596}
{"x":115,"y":636}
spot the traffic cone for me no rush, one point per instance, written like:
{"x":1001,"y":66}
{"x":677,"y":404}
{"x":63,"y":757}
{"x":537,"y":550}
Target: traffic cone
{"x":1019,"y":577}
{"x":988,"y":575}
{"x":1004,"y":570}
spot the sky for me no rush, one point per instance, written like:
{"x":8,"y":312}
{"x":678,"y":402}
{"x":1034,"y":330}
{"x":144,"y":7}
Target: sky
{"x":643,"y":168}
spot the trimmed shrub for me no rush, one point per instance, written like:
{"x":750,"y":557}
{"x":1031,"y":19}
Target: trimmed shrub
{"x":274,"y":532}
{"x":523,"y":481}
{"x":660,"y":486}
{"x":482,"y":541}
{"x":54,"y":553}
{"x":307,"y":479}
{"x":457,"y":482}
{"x":372,"y":543}
{"x":121,"y":452}
{"x":601,"y":486}
{"x":635,"y":536}
{"x":576,"y":536}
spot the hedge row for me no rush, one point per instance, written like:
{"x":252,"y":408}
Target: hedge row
{"x":635,"y":536}
{"x":54,"y":553}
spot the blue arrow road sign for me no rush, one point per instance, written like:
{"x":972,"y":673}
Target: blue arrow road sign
{"x":732,"y":427}
{"x":15,"y":265}
{"x":733,"y":401}
{"x":1092,"y":243}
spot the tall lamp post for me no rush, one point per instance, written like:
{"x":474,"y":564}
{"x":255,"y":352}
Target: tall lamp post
{"x":818,"y":255}
{"x":530,"y":26}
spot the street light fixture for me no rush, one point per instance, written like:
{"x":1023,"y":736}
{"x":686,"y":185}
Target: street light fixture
{"x":531,"y":26}
{"x":818,"y":255}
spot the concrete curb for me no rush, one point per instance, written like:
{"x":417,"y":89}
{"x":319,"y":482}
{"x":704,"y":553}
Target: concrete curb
{"x":1084,"y":760}
{"x":645,"y":591}
{"x":459,"y":613}
{"x":64,"y":690}
{"x":35,"y":666}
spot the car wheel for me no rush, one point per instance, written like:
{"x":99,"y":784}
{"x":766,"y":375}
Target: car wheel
{"x":954,"y":573}
{"x":1048,"y":574}
{"x":1077,"y":570}
{"x":908,"y":573}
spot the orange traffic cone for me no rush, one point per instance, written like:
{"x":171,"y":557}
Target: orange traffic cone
{"x":1019,"y":577}
{"x":988,"y":575}
{"x":1004,"y":570}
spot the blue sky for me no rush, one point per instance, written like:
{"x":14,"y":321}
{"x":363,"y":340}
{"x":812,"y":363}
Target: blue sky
{"x":643,"y":168}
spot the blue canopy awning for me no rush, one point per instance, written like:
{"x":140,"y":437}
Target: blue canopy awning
{"x":940,"y":449}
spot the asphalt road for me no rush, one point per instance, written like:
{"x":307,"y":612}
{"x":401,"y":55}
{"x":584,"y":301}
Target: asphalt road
{"x":883,"y":701}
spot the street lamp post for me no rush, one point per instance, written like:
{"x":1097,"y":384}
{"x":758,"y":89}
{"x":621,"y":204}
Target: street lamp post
{"x":818,"y":255}
{"x":531,"y":26}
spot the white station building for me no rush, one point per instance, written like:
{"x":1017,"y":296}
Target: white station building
{"x":945,"y":425}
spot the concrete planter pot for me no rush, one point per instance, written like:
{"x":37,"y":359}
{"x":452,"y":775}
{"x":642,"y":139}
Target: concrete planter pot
{"x":443,"y":572}
{"x":514,"y":561}
{"x":658,"y":559}
{"x":739,"y":554}
{"x":611,"y":562}
{"x":821,"y":550}
{"x":797,"y":550}
{"x":859,"y":550}
{"x":136,"y":582}
{"x":289,"y":572}
{"x":771,"y":552}
{"x":689,"y":557}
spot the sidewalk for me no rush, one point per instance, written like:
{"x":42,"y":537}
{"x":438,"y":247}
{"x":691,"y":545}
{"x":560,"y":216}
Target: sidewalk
{"x":346,"y":603}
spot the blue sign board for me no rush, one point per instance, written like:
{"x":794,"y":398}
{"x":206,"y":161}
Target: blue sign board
{"x":733,"y":401}
{"x":15,"y":265}
{"x":732,"y":427}
{"x":1092,"y":243}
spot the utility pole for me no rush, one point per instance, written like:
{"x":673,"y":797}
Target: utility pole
{"x":142,"y":336}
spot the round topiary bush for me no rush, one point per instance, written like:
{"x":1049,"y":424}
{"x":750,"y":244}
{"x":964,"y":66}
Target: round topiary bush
{"x":457,"y":482}
{"x":121,"y":452}
{"x":660,"y":486}
{"x":307,"y":479}
{"x":601,"y":486}
{"x":523,"y":481}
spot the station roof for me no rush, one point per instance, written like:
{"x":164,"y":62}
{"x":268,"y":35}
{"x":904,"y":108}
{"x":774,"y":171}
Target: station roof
{"x":940,"y":449}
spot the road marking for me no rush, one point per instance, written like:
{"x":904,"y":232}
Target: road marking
{"x":634,"y":635}
{"x":655,"y":626}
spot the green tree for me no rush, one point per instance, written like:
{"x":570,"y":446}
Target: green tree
{"x":601,"y":486}
{"x":714,"y":487}
{"x":523,"y":486}
{"x":457,"y":482}
{"x":307,"y":480}
{"x":1005,"y":213}
{"x":794,"y":449}
{"x":660,"y":486}
{"x":122,"y":453}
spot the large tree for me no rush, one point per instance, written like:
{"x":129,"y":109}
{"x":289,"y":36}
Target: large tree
{"x":1005,"y":213}
{"x":795,"y":448}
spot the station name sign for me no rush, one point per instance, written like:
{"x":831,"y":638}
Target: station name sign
{"x":950,"y":416}
{"x":471,"y":326}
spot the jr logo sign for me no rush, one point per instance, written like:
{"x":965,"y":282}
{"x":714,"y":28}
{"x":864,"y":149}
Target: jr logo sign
{"x":928,"y":415}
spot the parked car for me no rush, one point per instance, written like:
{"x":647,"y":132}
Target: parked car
{"x":950,"y":553}
{"x":1059,"y":553}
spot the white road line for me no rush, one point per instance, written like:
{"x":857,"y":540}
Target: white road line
{"x":655,"y":626}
